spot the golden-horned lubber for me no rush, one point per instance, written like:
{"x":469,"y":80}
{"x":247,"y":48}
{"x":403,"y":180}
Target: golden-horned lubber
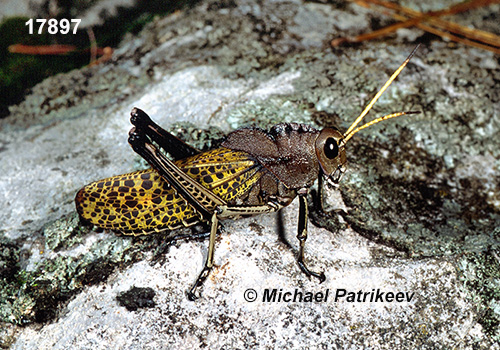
{"x":252,"y":172}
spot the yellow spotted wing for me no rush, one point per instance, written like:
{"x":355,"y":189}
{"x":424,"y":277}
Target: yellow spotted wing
{"x":142,"y":202}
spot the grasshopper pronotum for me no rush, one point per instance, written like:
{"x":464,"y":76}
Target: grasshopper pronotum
{"x":252,"y":172}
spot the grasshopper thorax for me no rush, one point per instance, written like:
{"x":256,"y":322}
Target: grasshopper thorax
{"x":330,"y":152}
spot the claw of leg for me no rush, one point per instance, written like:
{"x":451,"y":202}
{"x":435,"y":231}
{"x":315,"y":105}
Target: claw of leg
{"x":319,"y":275}
{"x":191,"y":294}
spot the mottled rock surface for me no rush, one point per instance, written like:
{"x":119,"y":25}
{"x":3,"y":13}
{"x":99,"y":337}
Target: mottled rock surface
{"x":421,"y":195}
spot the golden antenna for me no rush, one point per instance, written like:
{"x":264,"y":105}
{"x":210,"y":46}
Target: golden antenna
{"x":375,"y":121}
{"x":349,"y":133}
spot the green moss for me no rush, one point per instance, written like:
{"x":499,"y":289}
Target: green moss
{"x":64,"y":233}
{"x":137,"y":298}
{"x":269,"y":112}
{"x":35,"y":294}
{"x":480,"y":274}
{"x":202,"y":139}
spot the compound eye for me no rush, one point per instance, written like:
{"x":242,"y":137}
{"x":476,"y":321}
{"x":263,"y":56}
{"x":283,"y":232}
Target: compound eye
{"x":331,"y":148}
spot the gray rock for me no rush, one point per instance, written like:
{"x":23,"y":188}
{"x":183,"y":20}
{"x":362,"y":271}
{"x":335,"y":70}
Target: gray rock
{"x":421,"y":195}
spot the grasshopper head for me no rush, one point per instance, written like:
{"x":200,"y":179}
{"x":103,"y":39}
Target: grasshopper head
{"x":330,"y":151}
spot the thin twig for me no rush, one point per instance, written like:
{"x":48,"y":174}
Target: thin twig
{"x":93,"y":45}
{"x":432,"y":18}
{"x":472,"y":37}
{"x":41,"y":49}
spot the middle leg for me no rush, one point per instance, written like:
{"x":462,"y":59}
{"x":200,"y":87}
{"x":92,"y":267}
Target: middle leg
{"x":302,"y":237}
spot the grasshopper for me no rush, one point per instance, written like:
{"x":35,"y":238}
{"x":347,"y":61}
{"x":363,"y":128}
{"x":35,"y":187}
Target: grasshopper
{"x":252,"y":172}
